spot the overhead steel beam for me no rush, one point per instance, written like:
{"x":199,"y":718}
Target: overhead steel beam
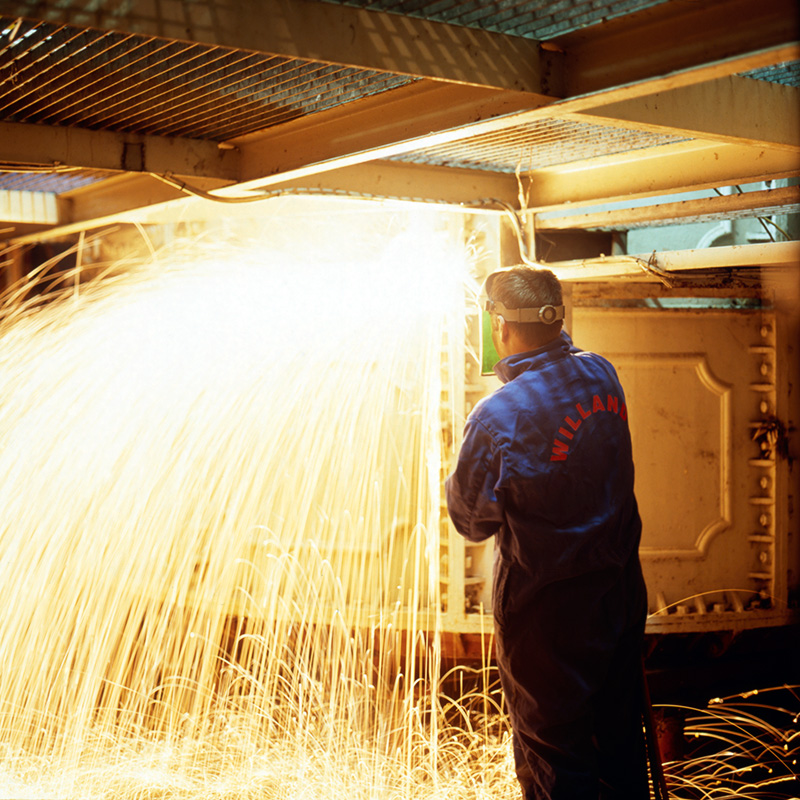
{"x":106,"y":201}
{"x":697,"y":73}
{"x":655,"y":42}
{"x":391,"y":180}
{"x":671,"y":37}
{"x":425,"y":114}
{"x":679,"y":167}
{"x":394,"y":123}
{"x":770,"y":255}
{"x":430,"y":112}
{"x":375,"y":128}
{"x":730,"y":109}
{"x":769,"y":201}
{"x":134,"y":197}
{"x":13,"y":231}
{"x":323,"y":32}
{"x":124,"y":152}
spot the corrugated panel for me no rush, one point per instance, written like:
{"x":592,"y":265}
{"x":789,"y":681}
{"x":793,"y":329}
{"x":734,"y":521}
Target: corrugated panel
{"x":535,"y":19}
{"x":25,"y":207}
{"x":535,"y":145}
{"x":59,"y":75}
{"x":49,"y":181}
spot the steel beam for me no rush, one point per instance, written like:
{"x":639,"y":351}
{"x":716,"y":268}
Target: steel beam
{"x":672,"y":168}
{"x":432,"y":112}
{"x":375,"y":128}
{"x":671,"y":37}
{"x":134,"y":197}
{"x":123,"y":198}
{"x":771,"y":255}
{"x":679,"y":167}
{"x":319,"y":32}
{"x":413,"y":118}
{"x":123,"y":152}
{"x":402,"y":121}
{"x":108,"y":200}
{"x":784,"y":200}
{"x":390,"y":180}
{"x":690,"y":76}
{"x":730,"y":109}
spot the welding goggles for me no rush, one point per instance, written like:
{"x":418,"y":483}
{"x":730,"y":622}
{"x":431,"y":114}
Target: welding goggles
{"x":489,"y":357}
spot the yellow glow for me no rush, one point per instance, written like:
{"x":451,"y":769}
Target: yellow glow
{"x":220,"y":478}
{"x":220,"y":551}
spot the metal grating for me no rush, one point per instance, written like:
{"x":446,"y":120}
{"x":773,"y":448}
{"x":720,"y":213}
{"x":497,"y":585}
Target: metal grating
{"x":49,"y":180}
{"x":60,"y":75}
{"x":534,"y":19}
{"x":543,"y":143}
{"x":787,"y":74}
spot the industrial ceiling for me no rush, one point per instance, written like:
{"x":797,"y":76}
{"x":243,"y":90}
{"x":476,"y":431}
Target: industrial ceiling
{"x":549,"y":108}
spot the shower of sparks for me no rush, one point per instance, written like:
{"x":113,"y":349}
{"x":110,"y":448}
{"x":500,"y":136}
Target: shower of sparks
{"x":220,"y":552}
{"x":747,"y":746}
{"x":220,"y":542}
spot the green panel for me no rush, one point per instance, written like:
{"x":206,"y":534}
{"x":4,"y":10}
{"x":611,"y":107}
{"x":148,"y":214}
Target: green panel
{"x":489,"y":356}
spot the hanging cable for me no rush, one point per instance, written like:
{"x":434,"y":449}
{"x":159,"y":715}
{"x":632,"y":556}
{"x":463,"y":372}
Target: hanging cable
{"x":195,"y":192}
{"x":516,"y":222}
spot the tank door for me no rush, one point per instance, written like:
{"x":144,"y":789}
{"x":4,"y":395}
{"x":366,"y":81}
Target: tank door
{"x":702,"y":393}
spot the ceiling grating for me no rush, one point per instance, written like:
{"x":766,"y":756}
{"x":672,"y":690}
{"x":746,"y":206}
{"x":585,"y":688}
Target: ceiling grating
{"x":534,"y":145}
{"x":787,"y":74}
{"x":64,"y":76}
{"x":52,"y":181}
{"x":531,"y":19}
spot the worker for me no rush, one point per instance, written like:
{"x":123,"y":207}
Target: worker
{"x":546,"y":467}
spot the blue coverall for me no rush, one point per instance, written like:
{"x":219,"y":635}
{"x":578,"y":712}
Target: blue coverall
{"x":546,"y":466}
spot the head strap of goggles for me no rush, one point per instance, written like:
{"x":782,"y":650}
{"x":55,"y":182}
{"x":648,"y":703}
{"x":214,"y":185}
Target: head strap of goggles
{"x":546,"y":314}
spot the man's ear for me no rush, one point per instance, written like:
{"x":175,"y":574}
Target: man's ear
{"x":502,"y":327}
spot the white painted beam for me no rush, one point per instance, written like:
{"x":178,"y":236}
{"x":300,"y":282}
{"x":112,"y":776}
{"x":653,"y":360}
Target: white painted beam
{"x":391,"y":180}
{"x":96,"y":205}
{"x":678,"y":167}
{"x":137,"y":197}
{"x":106,"y":202}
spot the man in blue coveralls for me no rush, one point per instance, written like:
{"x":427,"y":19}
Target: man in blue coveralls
{"x":546,"y":467}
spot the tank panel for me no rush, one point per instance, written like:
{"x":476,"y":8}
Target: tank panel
{"x":699,"y":386}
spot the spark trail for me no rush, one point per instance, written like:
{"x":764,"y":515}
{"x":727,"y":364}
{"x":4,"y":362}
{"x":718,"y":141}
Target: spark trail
{"x":219,"y":548}
{"x":219,"y":472}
